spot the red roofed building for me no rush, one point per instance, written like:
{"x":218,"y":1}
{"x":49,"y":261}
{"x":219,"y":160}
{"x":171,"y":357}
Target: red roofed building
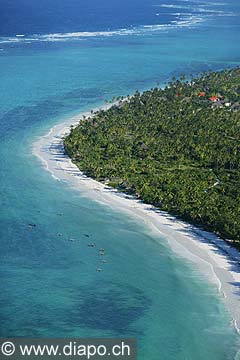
{"x":201,"y":94}
{"x":213,"y":98}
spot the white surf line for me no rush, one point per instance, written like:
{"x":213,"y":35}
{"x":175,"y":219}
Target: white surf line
{"x":190,"y":20}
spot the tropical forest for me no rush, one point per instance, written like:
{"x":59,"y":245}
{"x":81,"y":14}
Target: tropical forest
{"x":177,"y":148}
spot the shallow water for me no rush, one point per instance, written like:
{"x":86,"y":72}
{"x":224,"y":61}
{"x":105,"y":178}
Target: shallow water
{"x":49,"y":284}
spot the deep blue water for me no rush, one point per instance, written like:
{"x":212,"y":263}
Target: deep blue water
{"x":49,"y":284}
{"x":43,"y":17}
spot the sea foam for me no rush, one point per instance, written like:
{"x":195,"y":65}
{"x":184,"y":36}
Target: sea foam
{"x":184,"y":21}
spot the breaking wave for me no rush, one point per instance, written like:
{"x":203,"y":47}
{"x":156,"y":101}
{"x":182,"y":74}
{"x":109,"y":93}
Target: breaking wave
{"x":198,"y":7}
{"x":187,"y":13}
{"x":184,"y":21}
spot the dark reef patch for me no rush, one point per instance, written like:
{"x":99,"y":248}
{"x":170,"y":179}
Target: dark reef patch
{"x":110,"y":307}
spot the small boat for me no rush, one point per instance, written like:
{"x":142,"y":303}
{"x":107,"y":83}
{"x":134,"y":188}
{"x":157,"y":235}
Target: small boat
{"x":98,"y":269}
{"x":91,"y":245}
{"x":86,"y":235}
{"x":102,"y":250}
{"x":103,"y":261}
{"x":32,"y":225}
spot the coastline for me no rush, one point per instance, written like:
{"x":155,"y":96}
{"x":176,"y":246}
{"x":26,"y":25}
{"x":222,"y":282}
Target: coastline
{"x":215,"y":259}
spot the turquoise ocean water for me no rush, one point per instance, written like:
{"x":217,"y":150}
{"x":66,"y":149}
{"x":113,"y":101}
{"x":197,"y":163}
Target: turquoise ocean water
{"x":49,"y":284}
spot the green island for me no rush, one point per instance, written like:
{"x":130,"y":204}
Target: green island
{"x":177,"y":148}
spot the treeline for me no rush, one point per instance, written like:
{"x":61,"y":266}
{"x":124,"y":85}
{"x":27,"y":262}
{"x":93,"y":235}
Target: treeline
{"x":177,"y":148}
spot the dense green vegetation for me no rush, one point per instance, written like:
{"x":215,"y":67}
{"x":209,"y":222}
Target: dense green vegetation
{"x":174,"y":148}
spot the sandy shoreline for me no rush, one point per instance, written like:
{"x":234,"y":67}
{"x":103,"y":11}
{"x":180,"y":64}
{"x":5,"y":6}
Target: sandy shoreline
{"x":215,"y":258}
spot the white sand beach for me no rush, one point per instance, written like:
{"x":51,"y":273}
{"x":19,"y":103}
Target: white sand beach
{"x":213,"y":257}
